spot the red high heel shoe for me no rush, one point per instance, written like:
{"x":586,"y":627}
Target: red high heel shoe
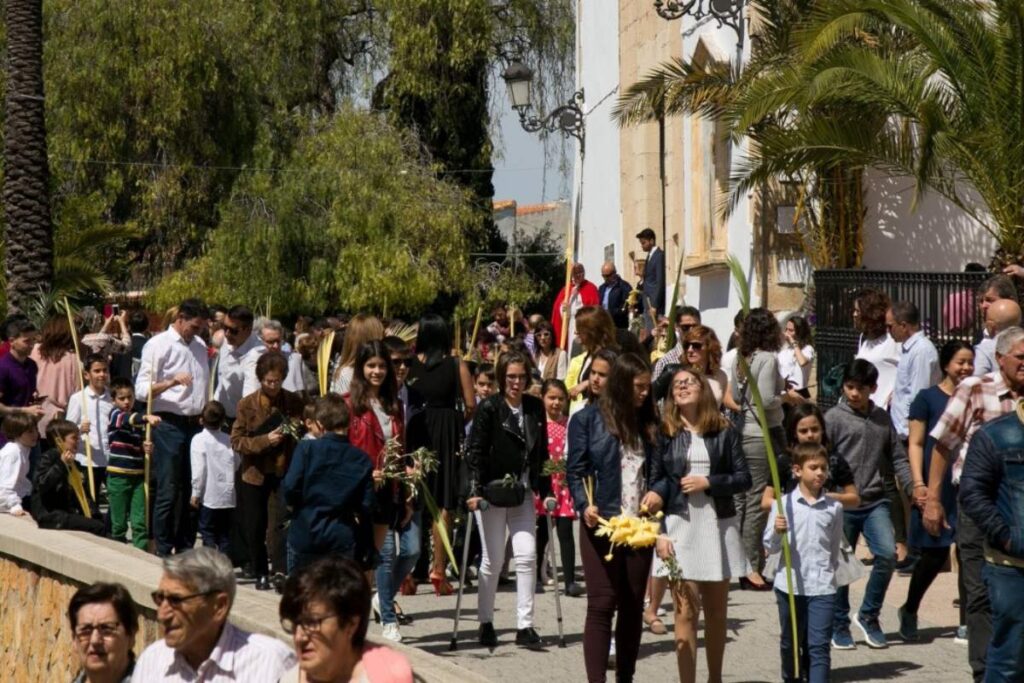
{"x":441,"y":585}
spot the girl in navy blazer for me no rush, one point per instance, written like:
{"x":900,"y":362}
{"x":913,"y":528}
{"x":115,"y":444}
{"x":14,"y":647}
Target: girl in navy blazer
{"x":611,"y":443}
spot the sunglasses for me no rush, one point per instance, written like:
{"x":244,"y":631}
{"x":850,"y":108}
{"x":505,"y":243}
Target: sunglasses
{"x":403,"y":362}
{"x":696,"y":346}
{"x":176,"y":601}
{"x":230,"y":330}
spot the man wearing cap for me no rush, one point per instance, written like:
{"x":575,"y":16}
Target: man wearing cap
{"x":654,"y":278}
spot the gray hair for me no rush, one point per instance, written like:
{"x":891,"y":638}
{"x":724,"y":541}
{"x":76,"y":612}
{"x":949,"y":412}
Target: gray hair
{"x":1007,"y":339}
{"x":204,"y":569}
{"x":269,"y":324}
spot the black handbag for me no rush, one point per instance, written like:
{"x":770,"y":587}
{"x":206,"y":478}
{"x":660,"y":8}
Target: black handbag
{"x":502,"y":493}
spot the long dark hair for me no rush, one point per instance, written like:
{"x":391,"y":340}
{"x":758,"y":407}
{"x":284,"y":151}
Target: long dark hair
{"x":760,"y":332}
{"x":55,"y":340}
{"x":622,"y":418}
{"x":358,"y":389}
{"x":802,"y":330}
{"x":798,"y":413}
{"x":433,"y":339}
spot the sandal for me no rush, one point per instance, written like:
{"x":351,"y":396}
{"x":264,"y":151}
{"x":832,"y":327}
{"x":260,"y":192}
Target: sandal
{"x":656,"y":626}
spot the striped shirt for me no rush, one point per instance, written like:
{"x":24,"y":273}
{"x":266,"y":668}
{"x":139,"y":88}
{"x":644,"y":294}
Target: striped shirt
{"x":125,"y":433}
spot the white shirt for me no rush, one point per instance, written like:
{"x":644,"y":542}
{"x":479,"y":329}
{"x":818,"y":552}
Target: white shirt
{"x":299,"y":378}
{"x":792,"y":372}
{"x":98,"y":407}
{"x":238,"y":657}
{"x":884,"y":354}
{"x":213,"y":469}
{"x":236,"y":372}
{"x":163,"y":357}
{"x":14,"y":483}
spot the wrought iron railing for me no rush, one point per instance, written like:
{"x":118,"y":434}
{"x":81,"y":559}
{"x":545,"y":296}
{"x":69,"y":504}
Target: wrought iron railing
{"x":947,"y":302}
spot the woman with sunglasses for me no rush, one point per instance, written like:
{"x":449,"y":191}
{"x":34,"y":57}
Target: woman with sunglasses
{"x":325,"y":608}
{"x":552,"y":362}
{"x":703,"y":352}
{"x":506,"y":451}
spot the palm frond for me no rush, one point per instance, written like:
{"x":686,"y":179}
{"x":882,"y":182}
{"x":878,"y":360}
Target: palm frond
{"x":739,"y":279}
{"x":403,"y":331}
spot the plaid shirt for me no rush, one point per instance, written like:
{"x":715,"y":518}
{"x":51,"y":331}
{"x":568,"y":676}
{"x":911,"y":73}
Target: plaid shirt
{"x":670,"y":357}
{"x":976,"y":401}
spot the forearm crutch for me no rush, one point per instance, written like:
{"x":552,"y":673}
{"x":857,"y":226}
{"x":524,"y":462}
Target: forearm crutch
{"x":549,"y":506}
{"x":482,"y":505}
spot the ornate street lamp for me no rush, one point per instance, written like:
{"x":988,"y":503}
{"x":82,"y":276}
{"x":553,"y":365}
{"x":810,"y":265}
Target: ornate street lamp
{"x":725,"y":12}
{"x":567,"y":118}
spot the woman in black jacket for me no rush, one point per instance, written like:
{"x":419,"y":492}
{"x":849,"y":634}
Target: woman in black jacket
{"x":507,"y":447}
{"x":698,"y":469}
{"x":611,"y":443}
{"x":56,"y":504}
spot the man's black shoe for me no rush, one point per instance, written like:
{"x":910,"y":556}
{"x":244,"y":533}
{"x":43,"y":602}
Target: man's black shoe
{"x":527,"y":637}
{"x":262,"y":583}
{"x":488,"y":638}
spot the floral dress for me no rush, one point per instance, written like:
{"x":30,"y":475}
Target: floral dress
{"x":557,"y":430}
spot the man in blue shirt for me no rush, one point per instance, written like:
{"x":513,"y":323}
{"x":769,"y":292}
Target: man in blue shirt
{"x":919,"y":362}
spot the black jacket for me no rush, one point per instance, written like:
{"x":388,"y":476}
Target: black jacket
{"x":617,"y":297}
{"x":729,"y":472}
{"x":54,"y":504}
{"x":497,"y":447}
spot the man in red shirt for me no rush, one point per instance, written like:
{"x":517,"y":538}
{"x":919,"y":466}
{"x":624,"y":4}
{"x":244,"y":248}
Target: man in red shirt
{"x":581,"y":292}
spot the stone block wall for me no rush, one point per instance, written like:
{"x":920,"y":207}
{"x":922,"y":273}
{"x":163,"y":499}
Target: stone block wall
{"x":35,"y":636}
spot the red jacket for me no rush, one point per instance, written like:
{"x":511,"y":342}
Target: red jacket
{"x":365,"y":431}
{"x":588,"y":297}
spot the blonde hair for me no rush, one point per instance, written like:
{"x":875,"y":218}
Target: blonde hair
{"x":709,"y":418}
{"x":361,"y":329}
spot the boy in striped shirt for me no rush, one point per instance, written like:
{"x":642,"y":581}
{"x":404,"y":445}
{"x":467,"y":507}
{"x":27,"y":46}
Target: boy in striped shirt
{"x":126,"y":469}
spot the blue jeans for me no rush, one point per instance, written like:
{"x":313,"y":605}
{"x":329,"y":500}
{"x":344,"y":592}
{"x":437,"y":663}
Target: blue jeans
{"x":814,"y":614}
{"x":174,"y":520}
{"x":876,"y":526}
{"x":393,"y":568}
{"x":1006,"y":649}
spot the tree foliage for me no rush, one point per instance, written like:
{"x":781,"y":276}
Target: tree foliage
{"x":356,"y":219}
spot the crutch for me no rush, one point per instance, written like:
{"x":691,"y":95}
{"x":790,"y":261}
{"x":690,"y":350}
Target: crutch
{"x":549,"y":506}
{"x":482,"y":505}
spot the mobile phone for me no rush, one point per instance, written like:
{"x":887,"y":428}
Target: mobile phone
{"x":115,"y":310}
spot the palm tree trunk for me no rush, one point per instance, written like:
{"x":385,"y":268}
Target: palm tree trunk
{"x":28,"y":234}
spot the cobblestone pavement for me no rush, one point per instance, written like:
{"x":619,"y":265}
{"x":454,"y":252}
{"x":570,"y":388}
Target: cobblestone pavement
{"x":751,"y":654}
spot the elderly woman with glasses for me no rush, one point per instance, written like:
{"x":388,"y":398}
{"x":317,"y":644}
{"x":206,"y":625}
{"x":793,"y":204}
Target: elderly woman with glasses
{"x":192,"y":602}
{"x":325,"y":608}
{"x":104,"y":622}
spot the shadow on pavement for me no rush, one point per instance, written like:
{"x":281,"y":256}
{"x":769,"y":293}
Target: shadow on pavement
{"x":873,"y":672}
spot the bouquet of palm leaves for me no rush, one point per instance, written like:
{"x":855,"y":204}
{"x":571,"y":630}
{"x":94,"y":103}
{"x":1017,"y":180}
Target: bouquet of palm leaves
{"x":551,"y":467}
{"x":625,"y":530}
{"x":410,"y":470}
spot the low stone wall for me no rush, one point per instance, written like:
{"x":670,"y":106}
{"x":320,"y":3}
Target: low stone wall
{"x":41,"y":569}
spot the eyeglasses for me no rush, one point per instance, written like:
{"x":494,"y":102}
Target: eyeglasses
{"x":176,"y":601}
{"x":684,"y":383}
{"x":696,"y":346}
{"x":401,"y":362}
{"x":83,"y":632}
{"x":307,"y":623}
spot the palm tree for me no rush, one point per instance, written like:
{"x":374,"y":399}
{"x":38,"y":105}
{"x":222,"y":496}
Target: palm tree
{"x":28,"y":232}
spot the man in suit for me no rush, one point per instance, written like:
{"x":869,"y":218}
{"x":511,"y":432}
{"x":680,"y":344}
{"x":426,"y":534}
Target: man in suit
{"x":654,"y":277}
{"x":613,"y":292}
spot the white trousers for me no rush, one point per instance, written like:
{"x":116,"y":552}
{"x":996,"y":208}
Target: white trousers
{"x":521,"y":523}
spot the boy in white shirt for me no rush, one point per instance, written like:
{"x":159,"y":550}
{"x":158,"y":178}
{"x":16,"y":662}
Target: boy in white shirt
{"x":15,"y":486}
{"x":214,"y":464}
{"x":814,"y":523}
{"x":94,"y":422}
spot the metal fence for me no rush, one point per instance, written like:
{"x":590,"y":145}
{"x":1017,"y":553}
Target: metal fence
{"x":947,"y":302}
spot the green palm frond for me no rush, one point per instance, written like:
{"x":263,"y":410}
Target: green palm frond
{"x":739,"y":280}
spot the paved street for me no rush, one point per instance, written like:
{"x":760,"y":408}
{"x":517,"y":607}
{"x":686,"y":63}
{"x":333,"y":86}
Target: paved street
{"x":751,"y":654}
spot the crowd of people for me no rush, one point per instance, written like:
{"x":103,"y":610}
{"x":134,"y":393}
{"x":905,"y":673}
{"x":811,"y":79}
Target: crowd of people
{"x":292,"y":485}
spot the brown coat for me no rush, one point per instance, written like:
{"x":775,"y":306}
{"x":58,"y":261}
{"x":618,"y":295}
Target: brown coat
{"x":259,"y":457}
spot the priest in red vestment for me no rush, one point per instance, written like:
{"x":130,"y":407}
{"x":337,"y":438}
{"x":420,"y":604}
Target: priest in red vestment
{"x":581,"y":293}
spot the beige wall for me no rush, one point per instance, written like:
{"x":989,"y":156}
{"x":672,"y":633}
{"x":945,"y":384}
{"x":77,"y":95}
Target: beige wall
{"x":645,"y":41}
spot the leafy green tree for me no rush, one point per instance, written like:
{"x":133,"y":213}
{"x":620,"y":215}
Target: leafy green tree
{"x":356,"y":219}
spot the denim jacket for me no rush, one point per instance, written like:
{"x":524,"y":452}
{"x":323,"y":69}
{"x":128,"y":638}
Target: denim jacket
{"x":595,"y":452}
{"x":992,"y":484}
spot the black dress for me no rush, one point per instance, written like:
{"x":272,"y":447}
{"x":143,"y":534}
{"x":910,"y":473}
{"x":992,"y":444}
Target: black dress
{"x":439,"y":425}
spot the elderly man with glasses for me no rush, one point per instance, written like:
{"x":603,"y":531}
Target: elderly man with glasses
{"x":614,"y":293}
{"x":193,"y":601}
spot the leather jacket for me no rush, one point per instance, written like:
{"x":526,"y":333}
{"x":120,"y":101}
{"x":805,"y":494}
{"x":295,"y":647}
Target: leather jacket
{"x":729,"y":472}
{"x":497,"y":447}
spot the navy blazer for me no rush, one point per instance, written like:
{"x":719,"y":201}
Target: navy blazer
{"x":596,"y":453}
{"x":654,"y":280}
{"x":617,"y":299}
{"x":329,"y":486}
{"x":729,"y":472}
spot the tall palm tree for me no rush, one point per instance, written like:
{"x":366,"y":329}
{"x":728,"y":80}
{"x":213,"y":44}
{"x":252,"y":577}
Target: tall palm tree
{"x":29,"y":230}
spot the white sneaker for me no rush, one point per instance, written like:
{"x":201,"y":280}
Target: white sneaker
{"x":375,"y":607}
{"x":391,"y":633}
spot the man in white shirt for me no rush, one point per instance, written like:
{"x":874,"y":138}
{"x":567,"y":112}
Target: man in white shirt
{"x":1000,"y":315}
{"x":918,"y":366}
{"x":193,"y":601}
{"x":175,"y":366}
{"x":236,"y":362}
